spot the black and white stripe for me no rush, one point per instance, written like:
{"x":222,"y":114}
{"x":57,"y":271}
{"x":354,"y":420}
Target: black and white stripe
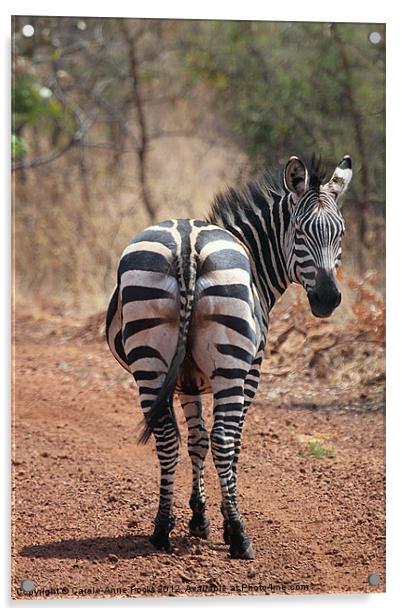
{"x":190,"y":314}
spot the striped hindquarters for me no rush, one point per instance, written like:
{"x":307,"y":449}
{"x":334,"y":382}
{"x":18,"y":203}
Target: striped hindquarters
{"x":113,"y":328}
{"x":150,"y":311}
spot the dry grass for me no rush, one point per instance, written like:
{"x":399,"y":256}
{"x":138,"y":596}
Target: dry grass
{"x":70,"y":229}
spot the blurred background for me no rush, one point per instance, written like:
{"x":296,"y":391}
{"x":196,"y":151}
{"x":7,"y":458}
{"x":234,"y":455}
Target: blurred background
{"x":119,"y":123}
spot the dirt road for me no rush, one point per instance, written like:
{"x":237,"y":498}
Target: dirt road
{"x":84,"y":493}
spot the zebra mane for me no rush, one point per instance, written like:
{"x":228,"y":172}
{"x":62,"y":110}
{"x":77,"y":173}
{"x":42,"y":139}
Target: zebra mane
{"x":232,"y":201}
{"x":317,"y":173}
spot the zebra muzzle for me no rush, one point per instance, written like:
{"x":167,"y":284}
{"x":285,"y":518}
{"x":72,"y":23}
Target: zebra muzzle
{"x":325,"y":296}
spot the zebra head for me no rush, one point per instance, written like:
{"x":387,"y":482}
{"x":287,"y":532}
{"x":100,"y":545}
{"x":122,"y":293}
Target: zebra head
{"x":315,"y":230}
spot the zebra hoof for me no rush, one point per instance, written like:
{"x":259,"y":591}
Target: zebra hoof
{"x":241,"y":548}
{"x":160,"y":541}
{"x":160,"y":536}
{"x":199,"y":524}
{"x":201,"y":531}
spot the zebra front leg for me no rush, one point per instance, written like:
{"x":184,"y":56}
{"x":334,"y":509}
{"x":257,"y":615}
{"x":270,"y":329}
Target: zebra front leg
{"x":198,"y":443}
{"x":227,"y":418}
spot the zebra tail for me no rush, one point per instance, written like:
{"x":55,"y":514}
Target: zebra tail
{"x":164,"y":400}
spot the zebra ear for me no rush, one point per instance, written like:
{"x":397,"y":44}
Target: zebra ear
{"x":295,"y":176}
{"x":341,"y":177}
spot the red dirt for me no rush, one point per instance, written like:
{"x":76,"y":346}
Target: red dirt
{"x":85,"y":494}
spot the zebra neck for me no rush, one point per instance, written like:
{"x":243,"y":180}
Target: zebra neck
{"x":263,"y":232}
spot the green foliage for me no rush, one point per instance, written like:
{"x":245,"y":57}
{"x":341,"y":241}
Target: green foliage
{"x":19,"y":147}
{"x":284,"y":88}
{"x":35,"y":105}
{"x":297,"y":88}
{"x":26,"y":100}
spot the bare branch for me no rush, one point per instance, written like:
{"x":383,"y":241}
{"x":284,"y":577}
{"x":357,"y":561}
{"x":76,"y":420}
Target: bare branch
{"x":46,"y":158}
{"x":170,"y":134}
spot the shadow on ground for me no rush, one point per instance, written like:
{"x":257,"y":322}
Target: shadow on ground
{"x":100,"y":548}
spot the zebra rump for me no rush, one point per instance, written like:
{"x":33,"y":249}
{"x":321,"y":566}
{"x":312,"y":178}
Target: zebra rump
{"x":186,"y":268}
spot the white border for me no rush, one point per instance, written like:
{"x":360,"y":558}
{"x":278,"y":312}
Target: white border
{"x":292,"y":10}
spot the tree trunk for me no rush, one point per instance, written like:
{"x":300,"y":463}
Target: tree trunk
{"x":142,"y":147}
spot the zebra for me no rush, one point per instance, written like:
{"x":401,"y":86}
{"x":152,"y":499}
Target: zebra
{"x":190,"y":315}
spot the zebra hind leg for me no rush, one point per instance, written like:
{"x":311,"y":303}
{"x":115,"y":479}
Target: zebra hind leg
{"x":198,"y":444}
{"x":167,"y":448}
{"x":233,"y":483}
{"x":227,"y":418}
{"x":251,"y":384}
